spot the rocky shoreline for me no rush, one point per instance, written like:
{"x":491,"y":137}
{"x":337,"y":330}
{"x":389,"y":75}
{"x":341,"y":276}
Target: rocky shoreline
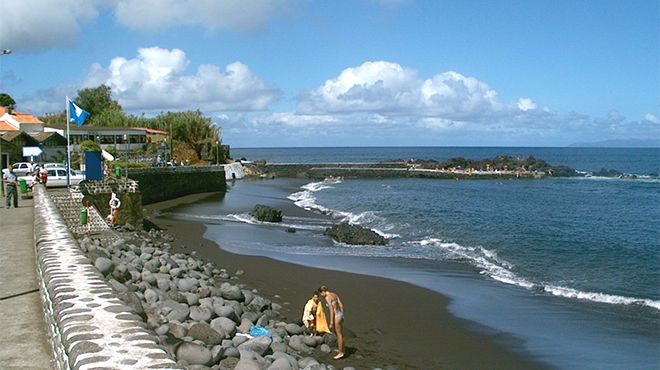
{"x":200,"y":312}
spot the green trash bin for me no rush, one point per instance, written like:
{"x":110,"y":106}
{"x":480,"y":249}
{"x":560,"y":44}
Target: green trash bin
{"x":118,"y":172}
{"x":23,"y":184}
{"x":83,"y":216}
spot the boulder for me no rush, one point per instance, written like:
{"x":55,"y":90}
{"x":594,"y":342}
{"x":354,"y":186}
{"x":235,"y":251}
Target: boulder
{"x":179,"y":313}
{"x":266,"y":214}
{"x":293,"y":329}
{"x":104,"y":265}
{"x":205,"y":333}
{"x":194,"y":354}
{"x":354,"y":235}
{"x":224,"y":325}
{"x":259,"y":345}
{"x":296,"y":342}
{"x":231,"y":292}
{"x":200,"y":313}
{"x":259,"y":304}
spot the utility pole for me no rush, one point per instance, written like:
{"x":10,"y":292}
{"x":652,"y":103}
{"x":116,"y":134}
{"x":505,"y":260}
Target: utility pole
{"x":2,"y":163}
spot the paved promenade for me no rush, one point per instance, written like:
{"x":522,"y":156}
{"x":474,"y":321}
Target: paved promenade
{"x":24,"y":340}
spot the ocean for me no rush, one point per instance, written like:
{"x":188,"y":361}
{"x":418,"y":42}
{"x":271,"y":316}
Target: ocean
{"x":567,"y":267}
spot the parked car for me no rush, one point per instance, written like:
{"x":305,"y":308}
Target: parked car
{"x":21,"y":168}
{"x":57,"y":177}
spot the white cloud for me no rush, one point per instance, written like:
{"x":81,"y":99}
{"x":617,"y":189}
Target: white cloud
{"x":42,"y":24}
{"x":651,"y":118}
{"x":525,"y":104}
{"x":156,"y":80}
{"x":236,"y":15}
{"x":390,"y":89}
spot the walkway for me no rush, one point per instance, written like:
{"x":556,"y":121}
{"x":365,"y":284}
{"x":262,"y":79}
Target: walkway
{"x":24,"y":340}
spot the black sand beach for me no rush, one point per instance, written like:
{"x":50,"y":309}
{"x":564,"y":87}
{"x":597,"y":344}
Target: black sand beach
{"x":387,"y":322}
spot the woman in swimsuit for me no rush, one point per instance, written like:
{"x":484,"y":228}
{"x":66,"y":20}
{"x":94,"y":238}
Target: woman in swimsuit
{"x":336,"y":317}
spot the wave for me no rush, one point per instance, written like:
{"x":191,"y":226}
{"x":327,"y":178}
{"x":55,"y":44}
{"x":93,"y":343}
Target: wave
{"x":305,"y":199}
{"x":501,"y":270}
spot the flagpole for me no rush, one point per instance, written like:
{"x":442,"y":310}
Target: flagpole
{"x":68,"y":149}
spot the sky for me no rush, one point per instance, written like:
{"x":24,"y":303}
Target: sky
{"x":296,"y":73}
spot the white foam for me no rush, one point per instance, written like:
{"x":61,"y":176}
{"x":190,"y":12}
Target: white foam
{"x":493,"y":266}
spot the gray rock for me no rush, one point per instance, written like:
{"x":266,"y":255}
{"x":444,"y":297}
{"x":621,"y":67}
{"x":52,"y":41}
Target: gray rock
{"x":309,"y":341}
{"x":245,"y":326}
{"x":163,"y":329}
{"x":325,"y":348}
{"x":232,"y":352}
{"x":205,"y":333}
{"x":226,"y":311}
{"x":293,"y":329}
{"x":238,"y":340}
{"x":191,"y":298}
{"x":231,"y":292}
{"x":225,"y":326}
{"x":250,"y":361}
{"x":354,"y":235}
{"x":307,"y":362}
{"x":259,"y":304}
{"x":259,"y":345}
{"x":278,"y":347}
{"x":187,"y":284}
{"x":230,"y":362}
{"x":150,"y":296}
{"x":179,"y":313}
{"x":163,"y":284}
{"x":177,"y":330}
{"x":117,"y":286}
{"x":194,"y":354}
{"x":281,"y":364}
{"x":296,"y":342}
{"x":133,"y":301}
{"x":148,"y":277}
{"x":266,"y":214}
{"x":200,"y":313}
{"x":290,"y":359}
{"x":104,"y":265}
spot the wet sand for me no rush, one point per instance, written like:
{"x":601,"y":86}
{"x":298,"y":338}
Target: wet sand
{"x":387,"y":322}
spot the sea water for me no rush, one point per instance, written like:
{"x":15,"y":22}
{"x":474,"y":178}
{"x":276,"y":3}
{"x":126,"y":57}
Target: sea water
{"x":568,"y":266}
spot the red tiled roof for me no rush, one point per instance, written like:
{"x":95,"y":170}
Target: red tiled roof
{"x":26,"y":118}
{"x":4,"y":126}
{"x":152,"y":131}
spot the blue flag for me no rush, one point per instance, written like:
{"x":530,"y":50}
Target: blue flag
{"x":77,"y":115}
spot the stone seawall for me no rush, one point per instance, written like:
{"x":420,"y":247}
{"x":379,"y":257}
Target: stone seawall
{"x":382,"y":170}
{"x":160,"y":184}
{"x":90,"y":327}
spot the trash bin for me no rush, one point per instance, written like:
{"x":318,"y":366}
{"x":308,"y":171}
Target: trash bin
{"x":83,"y":216}
{"x":117,"y":172}
{"x":23,"y":184}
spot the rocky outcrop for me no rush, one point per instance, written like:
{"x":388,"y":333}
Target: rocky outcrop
{"x":354,"y":235}
{"x":266,"y":214}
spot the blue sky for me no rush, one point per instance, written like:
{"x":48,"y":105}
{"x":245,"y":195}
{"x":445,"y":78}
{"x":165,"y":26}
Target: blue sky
{"x":351,"y":73}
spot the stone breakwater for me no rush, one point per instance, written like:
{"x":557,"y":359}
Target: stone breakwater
{"x":130,"y":302}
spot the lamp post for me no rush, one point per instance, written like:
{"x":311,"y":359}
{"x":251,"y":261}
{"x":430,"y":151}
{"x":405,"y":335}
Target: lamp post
{"x":217,"y":152}
{"x":2,"y":163}
{"x":126,"y":141}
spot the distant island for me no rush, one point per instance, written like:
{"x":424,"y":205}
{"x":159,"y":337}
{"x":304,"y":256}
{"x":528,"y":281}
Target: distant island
{"x":619,"y":143}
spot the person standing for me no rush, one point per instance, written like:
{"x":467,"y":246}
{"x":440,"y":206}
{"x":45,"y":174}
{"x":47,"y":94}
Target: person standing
{"x":43,"y":174}
{"x":114,"y":203}
{"x":309,"y":313}
{"x":336,"y":317}
{"x":11,"y":182}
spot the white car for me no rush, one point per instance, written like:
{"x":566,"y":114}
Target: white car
{"x":21,"y":168}
{"x":57,"y":177}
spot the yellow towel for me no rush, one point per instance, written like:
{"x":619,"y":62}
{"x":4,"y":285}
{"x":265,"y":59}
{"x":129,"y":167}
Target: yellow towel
{"x":321,"y":322}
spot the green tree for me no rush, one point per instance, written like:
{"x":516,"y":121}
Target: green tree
{"x":100,"y":105}
{"x":191,"y":127}
{"x":89,"y":146}
{"x":7,"y":101}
